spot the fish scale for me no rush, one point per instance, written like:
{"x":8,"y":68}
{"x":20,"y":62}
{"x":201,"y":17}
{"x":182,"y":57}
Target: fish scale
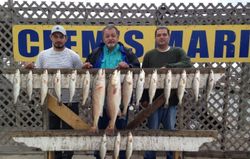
{"x":44,"y":85}
{"x":16,"y":85}
{"x":113,"y":98}
{"x":127,"y":90}
{"x":167,"y":87}
{"x":181,"y":86}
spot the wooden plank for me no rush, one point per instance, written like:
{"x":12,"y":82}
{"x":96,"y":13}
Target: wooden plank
{"x":142,"y":115}
{"x":142,"y":140}
{"x":66,"y":114}
{"x":152,"y":133}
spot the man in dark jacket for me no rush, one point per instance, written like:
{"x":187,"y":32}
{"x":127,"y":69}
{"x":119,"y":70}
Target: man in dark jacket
{"x":164,"y":56}
{"x":111,"y":54}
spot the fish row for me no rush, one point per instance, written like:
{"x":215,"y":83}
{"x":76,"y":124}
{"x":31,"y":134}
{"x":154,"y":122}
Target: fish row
{"x":129,"y":146}
{"x":99,"y":83}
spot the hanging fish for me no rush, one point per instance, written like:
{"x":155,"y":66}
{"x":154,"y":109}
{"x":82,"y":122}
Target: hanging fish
{"x":196,"y":84}
{"x":29,"y":84}
{"x":72,"y":85}
{"x":98,"y":96}
{"x":127,"y":90}
{"x":152,"y":86}
{"x":103,"y":147}
{"x":57,"y":85}
{"x":117,"y":146}
{"x":16,"y":85}
{"x":210,"y":84}
{"x":140,"y":86}
{"x":181,"y":86}
{"x":85,"y":87}
{"x":129,"y":147}
{"x":44,"y":85}
{"x":167,"y":87}
{"x":113,"y":100}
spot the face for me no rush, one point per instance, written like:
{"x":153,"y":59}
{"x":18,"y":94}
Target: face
{"x":58,"y":40}
{"x":110,"y":38}
{"x":162,"y":38}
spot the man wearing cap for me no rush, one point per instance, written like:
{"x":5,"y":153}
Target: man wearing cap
{"x":59,"y":57}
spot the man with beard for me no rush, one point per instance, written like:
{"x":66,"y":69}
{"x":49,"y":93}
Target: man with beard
{"x":59,"y":57}
{"x":163,"y":56}
{"x":111,"y":54}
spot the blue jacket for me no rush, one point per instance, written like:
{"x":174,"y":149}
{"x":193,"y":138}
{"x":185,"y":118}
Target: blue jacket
{"x":129,"y":57}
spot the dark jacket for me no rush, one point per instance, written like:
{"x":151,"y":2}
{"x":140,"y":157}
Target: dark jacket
{"x":128,"y":56}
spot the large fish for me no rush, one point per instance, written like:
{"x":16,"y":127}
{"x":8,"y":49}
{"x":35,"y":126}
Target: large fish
{"x":129,"y":147}
{"x":44,"y":86}
{"x":117,"y":146}
{"x":16,"y":85}
{"x":210,"y":84}
{"x":103,"y":147}
{"x":140,"y":86}
{"x":181,"y":86}
{"x":152,"y":86}
{"x":196,"y":84}
{"x":167,"y":87}
{"x":98,"y":97}
{"x":57,"y":85}
{"x":127,"y":90}
{"x":113,"y":100}
{"x":29,"y":84}
{"x":85,"y":87}
{"x":72,"y":85}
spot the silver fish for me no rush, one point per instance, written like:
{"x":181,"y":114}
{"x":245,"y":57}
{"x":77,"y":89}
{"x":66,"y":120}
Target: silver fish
{"x":85,"y":87}
{"x":210,"y":84}
{"x":127,"y":90}
{"x":29,"y":84}
{"x":16,"y":85}
{"x":117,"y":146}
{"x":181,"y":86}
{"x":113,"y":100}
{"x":44,"y":86}
{"x":72,"y":85}
{"x":167,"y":87}
{"x":140,"y":86}
{"x":129,"y":146}
{"x":103,"y":147}
{"x":98,"y":97}
{"x":57,"y":85}
{"x":196,"y":84}
{"x":152,"y":86}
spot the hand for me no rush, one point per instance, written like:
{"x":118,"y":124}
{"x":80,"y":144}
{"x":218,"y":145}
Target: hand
{"x":29,"y":65}
{"x":123,"y":65}
{"x":87,"y":65}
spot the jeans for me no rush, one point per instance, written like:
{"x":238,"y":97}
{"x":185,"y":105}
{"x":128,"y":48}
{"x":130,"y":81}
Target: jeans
{"x":120,"y":124}
{"x":55,"y":123}
{"x":166,"y":116}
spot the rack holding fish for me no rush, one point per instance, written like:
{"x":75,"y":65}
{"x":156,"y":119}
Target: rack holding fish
{"x":23,"y":80}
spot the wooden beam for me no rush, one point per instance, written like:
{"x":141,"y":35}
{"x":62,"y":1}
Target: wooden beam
{"x":66,"y":114}
{"x":142,"y":115}
{"x":76,"y":140}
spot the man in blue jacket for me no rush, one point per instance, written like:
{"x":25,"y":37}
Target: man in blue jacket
{"x":111,"y":54}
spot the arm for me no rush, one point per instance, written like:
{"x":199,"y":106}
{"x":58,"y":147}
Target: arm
{"x":133,"y":61}
{"x":39,"y":61}
{"x":77,"y":63}
{"x":145,"y":63}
